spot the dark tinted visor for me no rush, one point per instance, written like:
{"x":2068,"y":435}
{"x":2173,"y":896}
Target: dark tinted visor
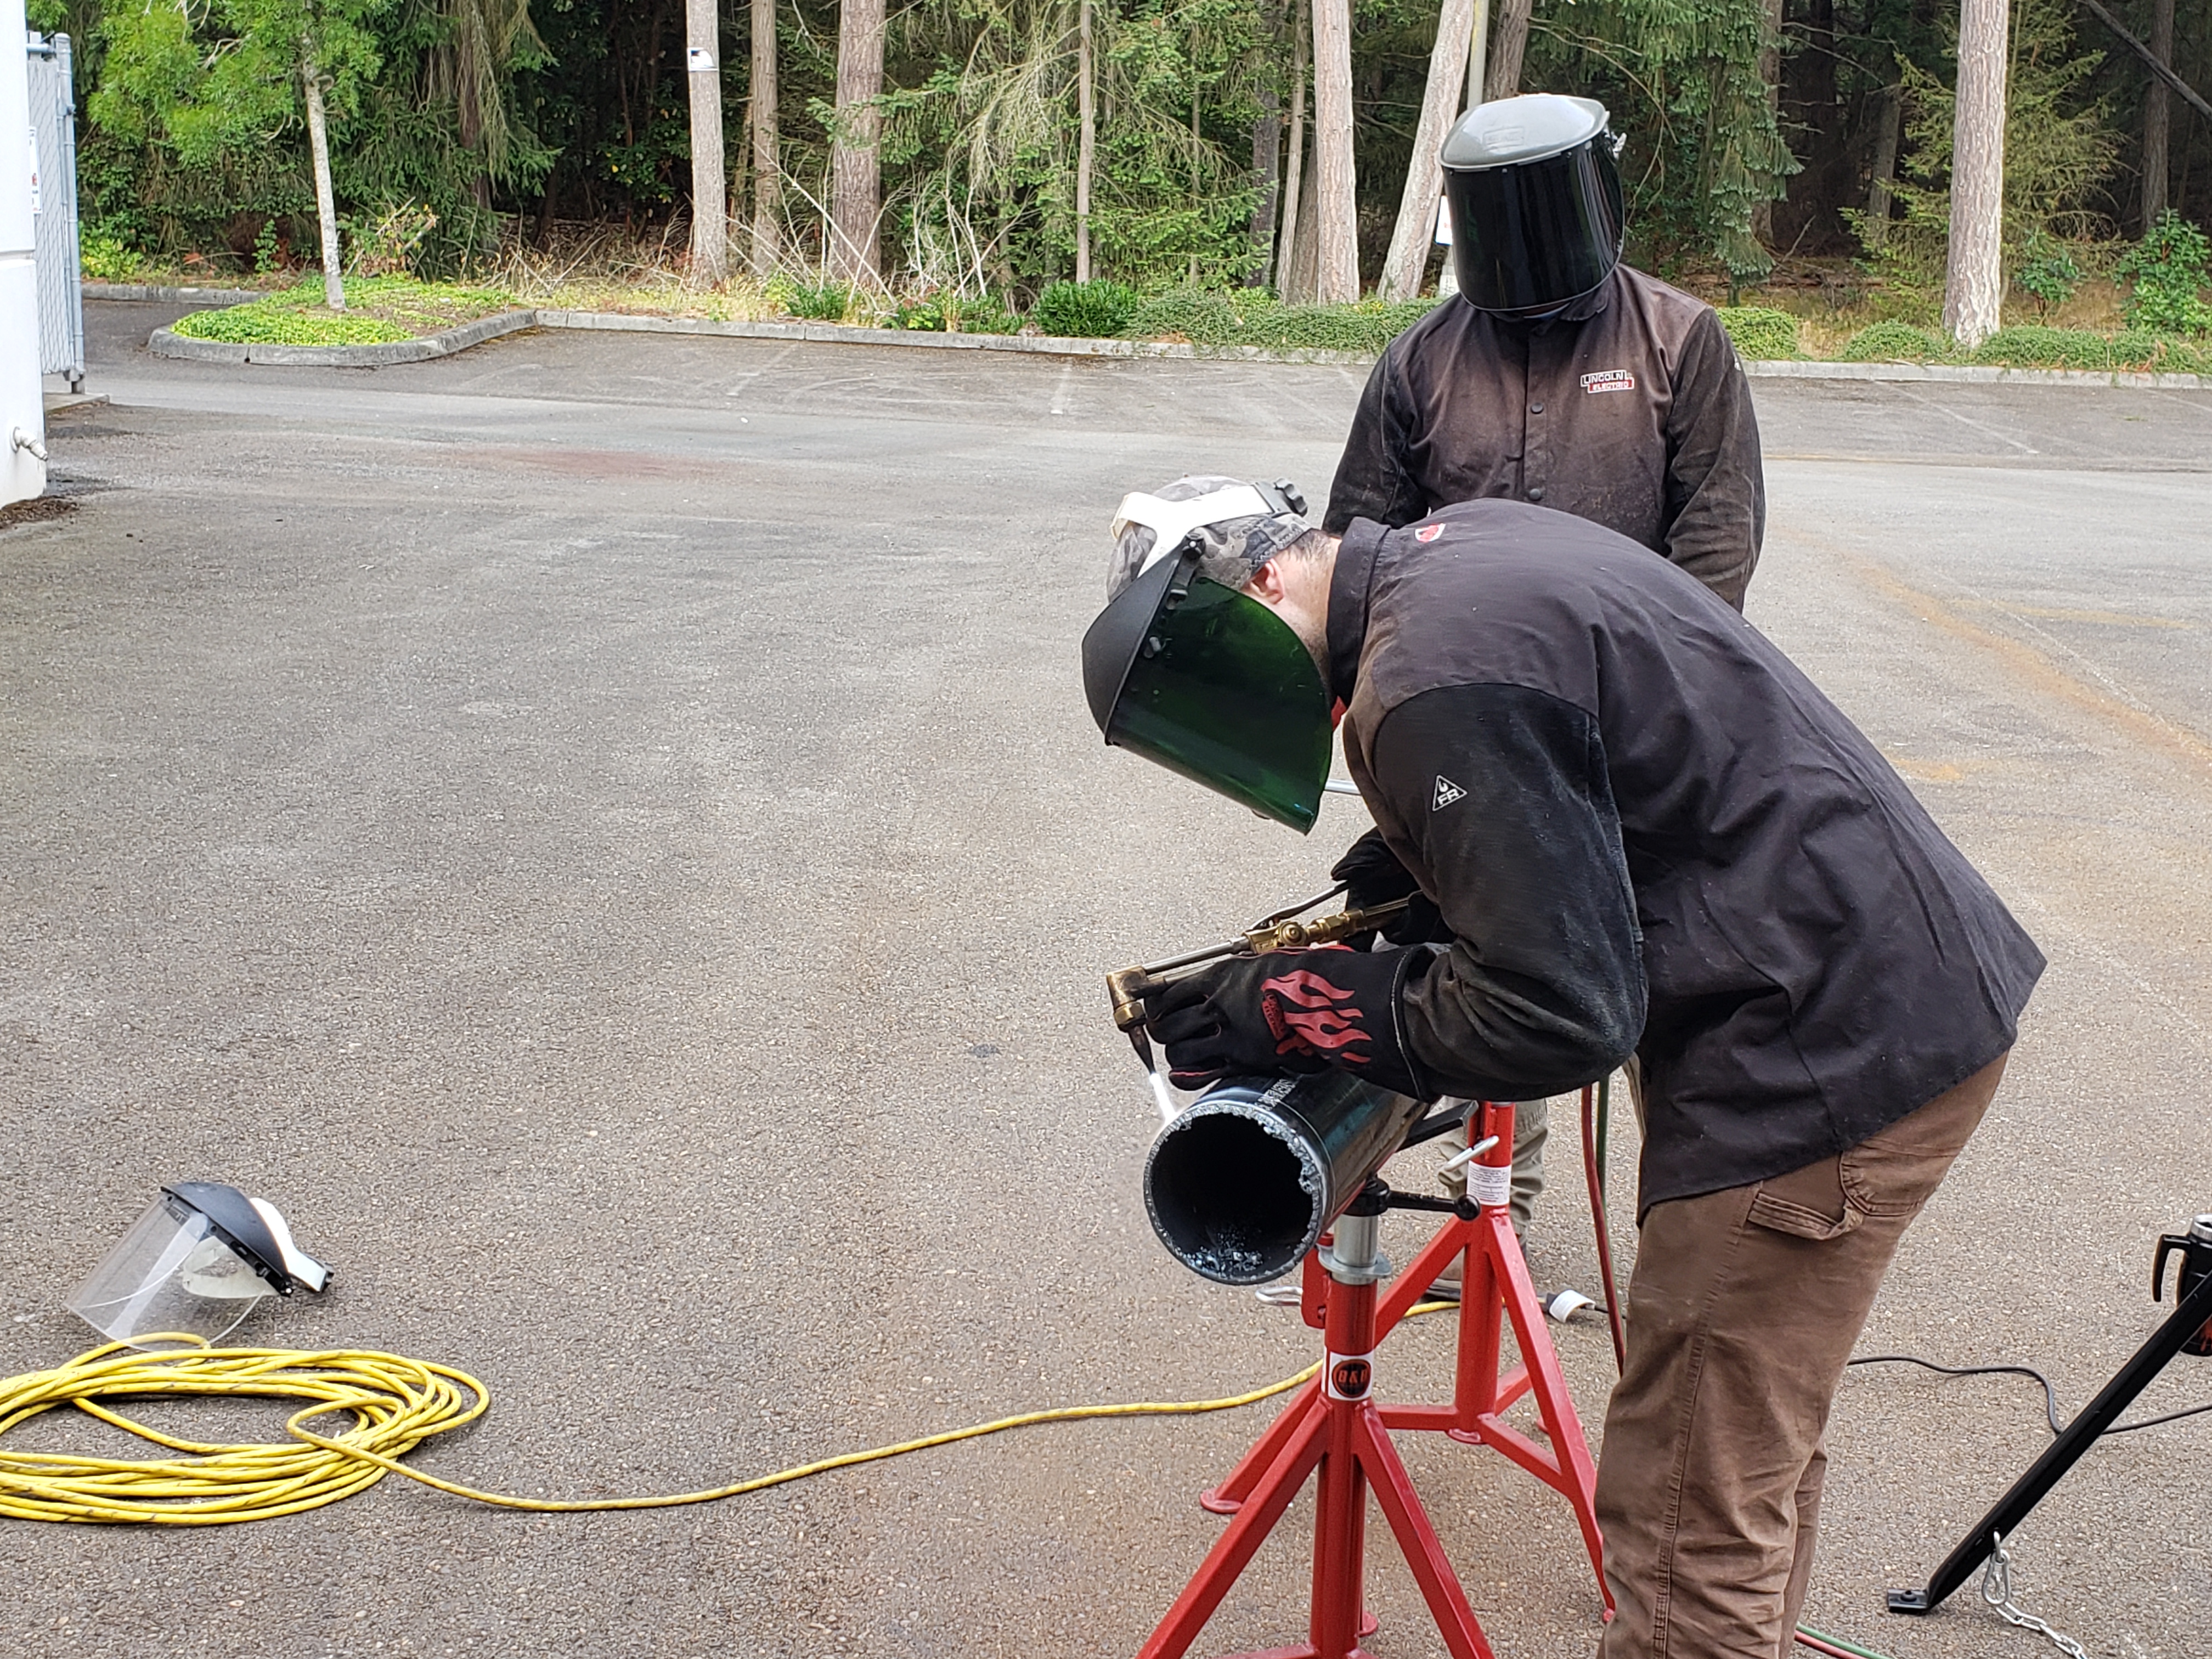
{"x":1211,"y":684}
{"x":1537,"y":234}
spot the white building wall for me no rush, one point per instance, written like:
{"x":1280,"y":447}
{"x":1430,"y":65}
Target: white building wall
{"x":23,"y":407}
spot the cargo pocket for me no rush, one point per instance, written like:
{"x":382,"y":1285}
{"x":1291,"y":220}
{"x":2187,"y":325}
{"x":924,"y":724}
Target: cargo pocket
{"x":1896,"y":1170}
{"x":1807,"y":1203}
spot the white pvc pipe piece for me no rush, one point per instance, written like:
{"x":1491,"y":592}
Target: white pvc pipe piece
{"x":22,"y":400}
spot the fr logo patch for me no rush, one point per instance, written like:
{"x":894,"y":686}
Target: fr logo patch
{"x":1428,"y":532}
{"x":1609,"y":380}
{"x":1447,"y":792}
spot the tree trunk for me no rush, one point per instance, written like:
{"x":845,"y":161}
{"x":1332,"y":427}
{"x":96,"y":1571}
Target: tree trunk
{"x":710,"y":213}
{"x":1769,"y":76}
{"x":767,"y":170}
{"x":1336,"y":206}
{"x":1413,"y":236}
{"x":1086,"y":139}
{"x":855,"y":250}
{"x":1302,"y":255}
{"x":1508,"y":44}
{"x":1197,"y":202}
{"x":1888,"y":126}
{"x":1820,"y":109}
{"x":1266,"y":151}
{"x":2157,"y":118}
{"x":326,"y":207}
{"x":1295,"y":184}
{"x":1478,"y":89}
{"x":1973,"y":284}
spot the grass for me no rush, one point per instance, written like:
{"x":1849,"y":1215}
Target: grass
{"x":380,"y":311}
{"x":1821,"y":310}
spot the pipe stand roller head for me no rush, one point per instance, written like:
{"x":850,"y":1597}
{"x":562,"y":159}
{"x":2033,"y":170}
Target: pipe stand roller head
{"x":1244,"y":1181}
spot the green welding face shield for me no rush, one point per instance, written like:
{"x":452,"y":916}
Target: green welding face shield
{"x":1210,"y":684}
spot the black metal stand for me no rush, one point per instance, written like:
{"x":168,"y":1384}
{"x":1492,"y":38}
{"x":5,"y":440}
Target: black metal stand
{"x":2186,"y":1329}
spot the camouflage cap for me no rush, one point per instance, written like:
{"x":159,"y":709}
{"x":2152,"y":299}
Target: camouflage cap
{"x":1239,"y":527}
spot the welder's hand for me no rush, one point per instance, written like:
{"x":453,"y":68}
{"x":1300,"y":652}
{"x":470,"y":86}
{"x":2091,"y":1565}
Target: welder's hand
{"x":1371,"y":875}
{"x":1291,"y":1012}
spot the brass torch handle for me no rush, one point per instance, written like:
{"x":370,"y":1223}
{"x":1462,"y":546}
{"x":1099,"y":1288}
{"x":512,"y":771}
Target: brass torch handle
{"x":1127,"y":987}
{"x":1305,"y":935}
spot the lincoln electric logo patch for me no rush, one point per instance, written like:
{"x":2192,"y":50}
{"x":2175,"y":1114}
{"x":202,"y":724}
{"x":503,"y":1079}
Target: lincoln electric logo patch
{"x":1609,"y":380}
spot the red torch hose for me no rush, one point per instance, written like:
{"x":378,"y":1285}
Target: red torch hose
{"x":1594,"y":1167}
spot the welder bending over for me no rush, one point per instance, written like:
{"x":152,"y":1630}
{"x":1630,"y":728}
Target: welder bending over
{"x":1645,"y":832}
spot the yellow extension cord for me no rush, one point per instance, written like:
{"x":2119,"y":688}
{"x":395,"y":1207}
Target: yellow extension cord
{"x":397,"y":1403}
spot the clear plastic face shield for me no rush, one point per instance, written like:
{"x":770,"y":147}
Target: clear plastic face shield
{"x":196,"y":1263}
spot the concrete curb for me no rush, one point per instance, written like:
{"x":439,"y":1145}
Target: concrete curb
{"x":1036,"y":344}
{"x":167,"y":342}
{"x":1039,"y":345}
{"x":1979,"y":373}
{"x":185,"y":296}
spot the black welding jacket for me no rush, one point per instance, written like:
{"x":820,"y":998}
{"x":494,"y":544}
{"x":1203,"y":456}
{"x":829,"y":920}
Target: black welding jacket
{"x":1647,"y":830}
{"x":1631,"y":411}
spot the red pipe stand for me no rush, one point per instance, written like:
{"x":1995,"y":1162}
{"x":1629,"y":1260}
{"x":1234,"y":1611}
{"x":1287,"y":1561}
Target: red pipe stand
{"x":1334,"y":1422}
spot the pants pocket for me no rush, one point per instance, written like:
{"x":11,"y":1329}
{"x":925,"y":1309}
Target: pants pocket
{"x":1808,"y":1203}
{"x":1894,"y":1172}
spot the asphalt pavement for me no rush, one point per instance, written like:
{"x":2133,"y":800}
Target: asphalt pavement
{"x":604,"y":829}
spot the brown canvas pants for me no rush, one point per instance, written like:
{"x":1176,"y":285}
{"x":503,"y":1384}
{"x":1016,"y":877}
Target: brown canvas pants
{"x":1742,"y":1311}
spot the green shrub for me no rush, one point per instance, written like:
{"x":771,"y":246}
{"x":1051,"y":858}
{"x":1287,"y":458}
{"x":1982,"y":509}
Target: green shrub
{"x":1084,"y":311}
{"x":1760,"y":332}
{"x":822,"y":302}
{"x":106,"y":258}
{"x":948,"y":313}
{"x":1254,"y":318}
{"x":2048,"y":273}
{"x":263,"y":324}
{"x":1893,"y":342}
{"x":389,"y":241}
{"x":2185,"y":357}
{"x":1367,"y":326}
{"x":2170,"y":268}
{"x":2035,"y":347}
{"x":1191,"y":313}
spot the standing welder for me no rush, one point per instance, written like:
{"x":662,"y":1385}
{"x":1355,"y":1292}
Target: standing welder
{"x":1559,"y":376}
{"x":1644,"y":831}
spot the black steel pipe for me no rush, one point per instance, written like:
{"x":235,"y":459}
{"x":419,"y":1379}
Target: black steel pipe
{"x":1244,"y":1181}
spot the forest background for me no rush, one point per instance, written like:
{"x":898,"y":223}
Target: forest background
{"x":1802,"y":145}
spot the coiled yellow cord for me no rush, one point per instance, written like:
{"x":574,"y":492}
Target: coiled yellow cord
{"x":397,"y":1404}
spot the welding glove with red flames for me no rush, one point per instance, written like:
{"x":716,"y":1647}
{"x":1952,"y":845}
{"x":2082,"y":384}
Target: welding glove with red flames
{"x":1292,"y":1011}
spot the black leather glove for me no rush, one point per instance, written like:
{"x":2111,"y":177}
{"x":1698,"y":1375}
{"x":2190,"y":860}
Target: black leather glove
{"x":1291,"y":1012}
{"x":1371,"y":875}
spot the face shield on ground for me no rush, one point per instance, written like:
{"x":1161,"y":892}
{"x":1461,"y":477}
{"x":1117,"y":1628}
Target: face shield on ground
{"x":1536,"y":209}
{"x":1210,"y":684}
{"x":195,"y":1264}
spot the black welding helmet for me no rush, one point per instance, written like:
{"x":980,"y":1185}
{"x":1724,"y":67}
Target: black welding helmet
{"x":1197,"y":677}
{"x":196,"y":1263}
{"x":1536,"y":214}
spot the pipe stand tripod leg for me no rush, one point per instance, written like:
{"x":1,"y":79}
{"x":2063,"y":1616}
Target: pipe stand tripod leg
{"x":1233,"y":1551}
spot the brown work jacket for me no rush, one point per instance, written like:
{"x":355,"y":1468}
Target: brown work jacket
{"x":1631,"y":409}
